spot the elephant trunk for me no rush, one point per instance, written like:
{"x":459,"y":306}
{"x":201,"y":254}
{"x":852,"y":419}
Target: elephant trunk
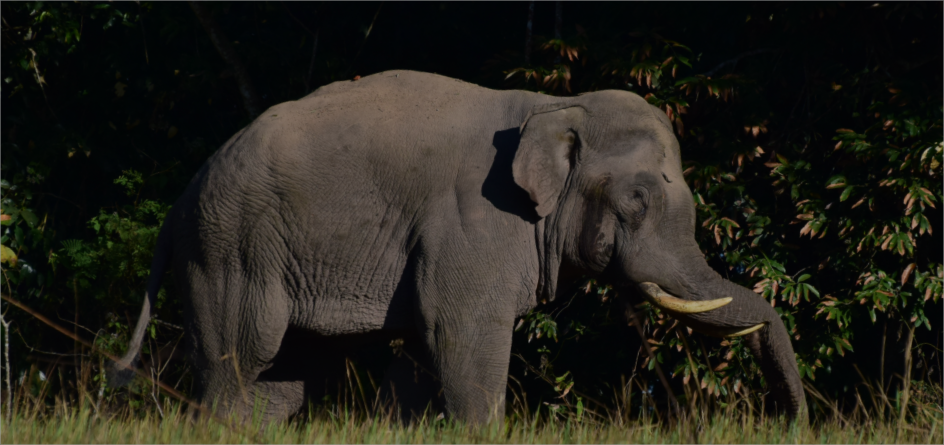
{"x":712,"y":305}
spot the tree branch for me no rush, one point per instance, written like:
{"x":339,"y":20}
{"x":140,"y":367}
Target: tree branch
{"x":251,"y":100}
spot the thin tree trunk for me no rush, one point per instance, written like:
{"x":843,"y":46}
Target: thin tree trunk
{"x":881,"y":358}
{"x":906,"y":380}
{"x":527,"y":36}
{"x":6,"y":363}
{"x":558,"y":22}
{"x":251,"y":100}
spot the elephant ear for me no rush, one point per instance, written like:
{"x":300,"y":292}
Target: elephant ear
{"x":550,"y":137}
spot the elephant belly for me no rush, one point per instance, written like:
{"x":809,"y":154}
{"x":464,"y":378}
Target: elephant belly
{"x":358,"y":295}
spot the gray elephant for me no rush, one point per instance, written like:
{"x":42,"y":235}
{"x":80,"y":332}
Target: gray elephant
{"x":413,"y":205}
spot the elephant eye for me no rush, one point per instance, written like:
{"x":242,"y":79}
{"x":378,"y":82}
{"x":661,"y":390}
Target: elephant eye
{"x":633,"y":206}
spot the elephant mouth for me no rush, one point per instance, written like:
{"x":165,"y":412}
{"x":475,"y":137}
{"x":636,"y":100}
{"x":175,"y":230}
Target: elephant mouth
{"x":681,"y":309}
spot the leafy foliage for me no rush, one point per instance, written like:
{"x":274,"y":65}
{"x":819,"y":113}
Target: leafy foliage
{"x":823,"y":202}
{"x":811,"y":136}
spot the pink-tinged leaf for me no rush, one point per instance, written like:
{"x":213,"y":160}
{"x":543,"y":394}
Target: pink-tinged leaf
{"x":888,"y":239}
{"x":806,"y":229}
{"x":907,"y":273}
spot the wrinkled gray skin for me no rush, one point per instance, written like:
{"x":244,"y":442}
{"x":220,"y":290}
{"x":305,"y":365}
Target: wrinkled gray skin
{"x":412,"y":205}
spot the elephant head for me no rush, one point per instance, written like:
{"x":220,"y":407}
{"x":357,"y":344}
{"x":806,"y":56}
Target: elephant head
{"x":604,"y":172}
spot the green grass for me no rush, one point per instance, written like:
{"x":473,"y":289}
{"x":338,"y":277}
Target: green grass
{"x":62,"y":423}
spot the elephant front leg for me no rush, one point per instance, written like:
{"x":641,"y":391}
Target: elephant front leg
{"x":471,"y":353}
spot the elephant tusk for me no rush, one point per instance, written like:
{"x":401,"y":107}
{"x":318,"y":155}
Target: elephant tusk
{"x":730,"y":332}
{"x":663,"y":300}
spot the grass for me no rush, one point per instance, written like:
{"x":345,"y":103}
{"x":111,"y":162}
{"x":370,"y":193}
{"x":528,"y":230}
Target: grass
{"x":34,"y":422}
{"x":81,"y":414}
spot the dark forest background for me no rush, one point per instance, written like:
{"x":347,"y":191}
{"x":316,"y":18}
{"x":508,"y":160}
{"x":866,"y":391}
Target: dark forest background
{"x":811,"y":135}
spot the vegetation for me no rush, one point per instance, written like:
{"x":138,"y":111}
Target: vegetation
{"x":811,"y":135}
{"x":90,"y":421}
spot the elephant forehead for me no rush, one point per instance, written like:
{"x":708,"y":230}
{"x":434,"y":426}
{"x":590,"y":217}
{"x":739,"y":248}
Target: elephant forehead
{"x":632,"y":145}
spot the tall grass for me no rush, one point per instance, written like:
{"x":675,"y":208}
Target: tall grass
{"x":83,"y":424}
{"x":83,"y":420}
{"x":81,"y":411}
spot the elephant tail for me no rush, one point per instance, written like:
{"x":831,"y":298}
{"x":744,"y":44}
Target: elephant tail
{"x":122,"y":372}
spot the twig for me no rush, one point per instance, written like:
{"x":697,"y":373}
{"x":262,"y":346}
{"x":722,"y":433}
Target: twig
{"x":167,"y":389}
{"x":311,"y":65}
{"x":59,"y":354}
{"x":164,"y":323}
{"x":366,"y":35}
{"x":642,"y":336}
{"x":154,"y":391}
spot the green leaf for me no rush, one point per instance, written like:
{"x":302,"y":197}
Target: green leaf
{"x":7,"y":255}
{"x":811,"y":289}
{"x":29,"y":217}
{"x":19,"y":236}
{"x":846,"y":193}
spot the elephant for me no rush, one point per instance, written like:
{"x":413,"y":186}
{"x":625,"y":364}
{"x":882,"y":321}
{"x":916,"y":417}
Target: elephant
{"x":412,"y":205}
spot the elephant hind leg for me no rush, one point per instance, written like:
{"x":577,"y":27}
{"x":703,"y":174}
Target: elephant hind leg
{"x":234,"y":342}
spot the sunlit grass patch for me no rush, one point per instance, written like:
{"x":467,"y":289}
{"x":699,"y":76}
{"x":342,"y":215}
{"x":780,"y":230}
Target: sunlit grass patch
{"x":84,"y":423}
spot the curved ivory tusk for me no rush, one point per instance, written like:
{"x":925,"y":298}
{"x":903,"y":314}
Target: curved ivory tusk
{"x":663,"y":300}
{"x":730,"y":332}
